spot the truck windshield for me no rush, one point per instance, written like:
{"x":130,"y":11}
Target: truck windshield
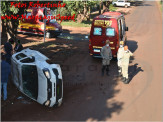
{"x":110,"y":32}
{"x":97,"y":31}
{"x":30,"y":81}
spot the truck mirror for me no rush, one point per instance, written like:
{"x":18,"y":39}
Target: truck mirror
{"x":126,"y":29}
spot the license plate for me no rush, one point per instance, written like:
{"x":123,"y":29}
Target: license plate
{"x":97,"y":50}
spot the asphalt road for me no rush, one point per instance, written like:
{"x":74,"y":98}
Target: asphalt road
{"x":90,"y":97}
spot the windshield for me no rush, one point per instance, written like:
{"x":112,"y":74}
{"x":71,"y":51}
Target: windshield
{"x":110,"y":32}
{"x":30,"y":81}
{"x":97,"y":31}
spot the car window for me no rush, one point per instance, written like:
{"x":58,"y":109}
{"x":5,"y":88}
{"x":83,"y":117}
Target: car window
{"x":97,"y":31}
{"x":30,"y":80}
{"x":28,"y":60}
{"x":20,"y":56}
{"x":110,"y":32}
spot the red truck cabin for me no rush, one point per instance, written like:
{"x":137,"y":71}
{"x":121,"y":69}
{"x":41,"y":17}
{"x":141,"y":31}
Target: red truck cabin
{"x":108,"y":26}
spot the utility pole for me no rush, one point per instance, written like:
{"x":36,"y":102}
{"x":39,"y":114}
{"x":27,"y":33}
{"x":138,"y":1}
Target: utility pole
{"x":45,"y":14}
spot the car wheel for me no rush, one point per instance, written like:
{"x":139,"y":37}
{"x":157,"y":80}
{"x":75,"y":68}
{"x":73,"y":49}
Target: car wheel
{"x":126,"y":6}
{"x":114,"y":5}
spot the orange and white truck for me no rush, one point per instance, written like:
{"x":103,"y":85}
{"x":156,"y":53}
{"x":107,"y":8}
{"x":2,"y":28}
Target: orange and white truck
{"x":32,"y":22}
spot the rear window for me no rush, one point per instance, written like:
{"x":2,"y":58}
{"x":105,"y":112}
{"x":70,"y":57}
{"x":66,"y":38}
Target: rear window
{"x":97,"y":31}
{"x":110,"y":32}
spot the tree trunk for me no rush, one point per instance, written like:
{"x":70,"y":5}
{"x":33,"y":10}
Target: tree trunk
{"x":11,"y":33}
{"x":3,"y":34}
{"x":89,"y":13}
{"x":100,"y":7}
{"x":104,"y":6}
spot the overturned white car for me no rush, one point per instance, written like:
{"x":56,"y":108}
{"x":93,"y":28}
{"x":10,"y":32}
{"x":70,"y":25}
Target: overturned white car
{"x":36,"y":78}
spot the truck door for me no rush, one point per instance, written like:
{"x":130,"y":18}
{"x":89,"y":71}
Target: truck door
{"x":98,"y":36}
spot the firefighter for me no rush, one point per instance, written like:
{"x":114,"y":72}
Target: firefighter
{"x":106,"y":57}
{"x":125,"y":64}
{"x":119,"y":58}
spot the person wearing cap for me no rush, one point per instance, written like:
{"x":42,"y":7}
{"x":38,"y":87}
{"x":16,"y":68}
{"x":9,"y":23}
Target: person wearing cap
{"x":119,"y":58}
{"x":106,"y":55}
{"x":5,"y":71}
{"x":125,"y":64}
{"x":18,"y":47}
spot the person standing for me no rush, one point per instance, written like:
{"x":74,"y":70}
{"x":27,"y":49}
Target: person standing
{"x":5,"y":71}
{"x":18,"y":47}
{"x":8,"y":50}
{"x":106,"y":57}
{"x":119,"y":58}
{"x":125,"y":64}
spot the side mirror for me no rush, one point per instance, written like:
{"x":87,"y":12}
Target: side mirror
{"x":126,"y":29}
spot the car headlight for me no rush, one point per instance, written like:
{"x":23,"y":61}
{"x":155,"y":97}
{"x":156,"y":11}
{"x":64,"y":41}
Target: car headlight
{"x":47,"y":103}
{"x":47,"y":73}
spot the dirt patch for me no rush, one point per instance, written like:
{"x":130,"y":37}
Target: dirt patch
{"x":126,"y":11}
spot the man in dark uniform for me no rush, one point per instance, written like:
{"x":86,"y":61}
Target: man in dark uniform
{"x":8,"y":50}
{"x":106,"y":57}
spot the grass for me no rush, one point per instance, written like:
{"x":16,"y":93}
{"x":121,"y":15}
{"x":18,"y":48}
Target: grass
{"x":112,"y":8}
{"x":75,"y":24}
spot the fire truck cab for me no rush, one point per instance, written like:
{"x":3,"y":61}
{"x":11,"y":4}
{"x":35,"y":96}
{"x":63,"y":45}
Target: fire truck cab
{"x":33,"y":22}
{"x":107,"y":26}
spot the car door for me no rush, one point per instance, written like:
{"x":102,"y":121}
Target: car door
{"x":120,"y":3}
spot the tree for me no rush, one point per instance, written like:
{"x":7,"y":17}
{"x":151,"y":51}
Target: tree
{"x":80,"y":8}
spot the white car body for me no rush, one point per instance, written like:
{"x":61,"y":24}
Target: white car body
{"x":121,"y":3}
{"x":37,"y":79}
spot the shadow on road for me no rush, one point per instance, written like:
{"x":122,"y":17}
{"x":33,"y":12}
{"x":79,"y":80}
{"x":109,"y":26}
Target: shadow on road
{"x":134,"y":70}
{"x":87,"y":95}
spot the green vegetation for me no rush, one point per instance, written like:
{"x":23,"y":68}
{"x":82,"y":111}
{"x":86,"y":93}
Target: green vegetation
{"x":76,"y":24}
{"x":85,"y":22}
{"x":112,"y":8}
{"x":161,"y":5}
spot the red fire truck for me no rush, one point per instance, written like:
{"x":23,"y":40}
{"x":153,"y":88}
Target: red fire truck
{"x":107,"y":26}
{"x":32,"y":22}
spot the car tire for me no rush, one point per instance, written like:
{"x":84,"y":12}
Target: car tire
{"x":114,"y":5}
{"x":126,"y":6}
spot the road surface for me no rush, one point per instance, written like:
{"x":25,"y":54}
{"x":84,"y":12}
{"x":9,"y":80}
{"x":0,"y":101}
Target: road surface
{"x":90,"y":97}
